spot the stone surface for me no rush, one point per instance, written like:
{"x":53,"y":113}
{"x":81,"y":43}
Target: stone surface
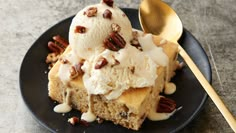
{"x":212,"y":22}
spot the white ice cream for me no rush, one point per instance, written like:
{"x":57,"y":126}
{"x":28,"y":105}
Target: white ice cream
{"x":91,"y":43}
{"x":136,"y":68}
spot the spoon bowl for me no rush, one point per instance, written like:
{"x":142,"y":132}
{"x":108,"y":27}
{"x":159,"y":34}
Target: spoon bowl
{"x":158,"y":18}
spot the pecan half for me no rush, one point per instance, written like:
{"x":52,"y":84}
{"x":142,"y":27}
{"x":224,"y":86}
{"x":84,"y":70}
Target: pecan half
{"x":73,"y":120}
{"x":109,"y":2}
{"x":61,"y":41}
{"x":80,"y":29}
{"x":91,"y":12}
{"x":84,"y":122}
{"x":57,"y":47}
{"x":101,"y":63}
{"x":109,"y":45}
{"x":107,"y":14}
{"x":115,"y":27}
{"x":54,"y":47}
{"x":114,"y":42}
{"x":166,"y":105}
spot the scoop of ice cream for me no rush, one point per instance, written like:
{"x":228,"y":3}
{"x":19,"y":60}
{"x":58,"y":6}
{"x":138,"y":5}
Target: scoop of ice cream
{"x":92,"y":25}
{"x":134,"y":70}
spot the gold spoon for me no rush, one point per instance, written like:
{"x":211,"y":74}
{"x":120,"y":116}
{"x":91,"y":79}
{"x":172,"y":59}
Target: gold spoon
{"x":158,"y":18}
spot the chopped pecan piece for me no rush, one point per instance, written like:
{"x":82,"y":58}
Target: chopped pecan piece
{"x":73,"y":73}
{"x":114,"y":42}
{"x":78,"y":68}
{"x":52,"y":58}
{"x":91,"y":12}
{"x":80,"y":29}
{"x":132,"y":69}
{"x":135,"y":34}
{"x":101,"y":63}
{"x":63,"y":61}
{"x":109,"y":2}
{"x":107,"y":14}
{"x":115,"y":27}
{"x":116,"y":63}
{"x":136,"y":44}
{"x":73,"y":120}
{"x":166,"y":105}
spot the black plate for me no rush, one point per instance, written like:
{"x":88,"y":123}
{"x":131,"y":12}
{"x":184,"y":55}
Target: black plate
{"x":34,"y":90}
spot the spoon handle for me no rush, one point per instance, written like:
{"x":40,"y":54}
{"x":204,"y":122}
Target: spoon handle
{"x":209,"y":89}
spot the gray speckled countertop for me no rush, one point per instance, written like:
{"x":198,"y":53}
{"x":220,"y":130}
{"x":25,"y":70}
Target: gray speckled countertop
{"x":212,"y":22}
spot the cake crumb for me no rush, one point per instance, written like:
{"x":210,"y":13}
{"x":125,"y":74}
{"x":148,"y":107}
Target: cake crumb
{"x":100,"y":120}
{"x":180,"y":65}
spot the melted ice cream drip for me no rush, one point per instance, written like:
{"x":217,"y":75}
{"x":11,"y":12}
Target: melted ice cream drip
{"x":155,"y":116}
{"x":156,"y":53}
{"x":170,"y":88}
{"x":64,"y":107}
{"x":89,"y":115}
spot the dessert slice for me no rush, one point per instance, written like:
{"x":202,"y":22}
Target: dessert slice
{"x":111,"y":71}
{"x":131,"y":108}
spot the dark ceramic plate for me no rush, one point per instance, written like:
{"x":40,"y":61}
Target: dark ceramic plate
{"x":34,"y":89}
